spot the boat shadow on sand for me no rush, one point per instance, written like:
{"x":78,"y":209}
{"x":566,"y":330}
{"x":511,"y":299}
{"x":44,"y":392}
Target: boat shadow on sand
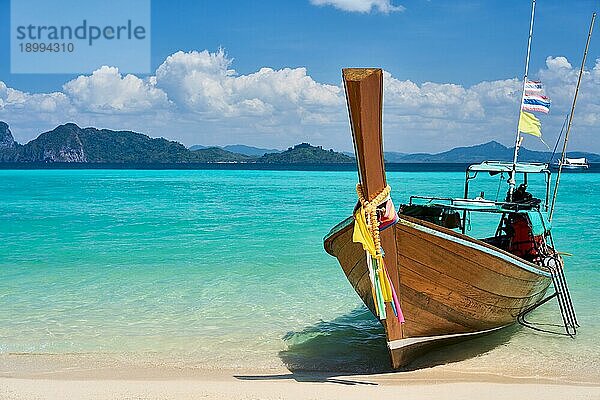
{"x":354,"y":344}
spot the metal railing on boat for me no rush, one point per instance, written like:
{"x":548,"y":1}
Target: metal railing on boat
{"x":473,"y":204}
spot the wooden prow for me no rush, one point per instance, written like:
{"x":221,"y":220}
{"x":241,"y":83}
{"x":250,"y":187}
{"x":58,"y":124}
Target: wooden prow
{"x":364,"y":95}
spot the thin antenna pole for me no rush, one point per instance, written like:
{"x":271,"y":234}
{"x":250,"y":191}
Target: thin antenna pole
{"x":564,"y":150}
{"x":562,"y":129}
{"x":511,"y":180}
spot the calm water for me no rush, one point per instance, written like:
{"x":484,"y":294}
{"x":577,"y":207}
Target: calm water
{"x":225,"y":269}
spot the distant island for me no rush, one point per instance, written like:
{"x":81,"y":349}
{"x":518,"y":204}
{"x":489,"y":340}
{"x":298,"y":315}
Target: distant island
{"x":240,"y":149}
{"x":69,"y":143}
{"x":483,"y":152}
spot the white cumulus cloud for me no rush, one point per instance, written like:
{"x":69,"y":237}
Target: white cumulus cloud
{"x":3,"y":94}
{"x":203,"y":82}
{"x":15,"y":100}
{"x":197,"y":97}
{"x":560,"y":80}
{"x":106,"y":90}
{"x":432,"y":100}
{"x":361,"y":6}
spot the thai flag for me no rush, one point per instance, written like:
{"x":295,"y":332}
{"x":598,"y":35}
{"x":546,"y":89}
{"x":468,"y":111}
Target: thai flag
{"x":533,"y":87}
{"x":536,"y":103}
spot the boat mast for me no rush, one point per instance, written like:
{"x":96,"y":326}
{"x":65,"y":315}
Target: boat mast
{"x":564,"y":149}
{"x":511,"y":180}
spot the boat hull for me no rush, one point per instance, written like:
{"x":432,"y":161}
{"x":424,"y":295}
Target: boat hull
{"x":452,"y":287}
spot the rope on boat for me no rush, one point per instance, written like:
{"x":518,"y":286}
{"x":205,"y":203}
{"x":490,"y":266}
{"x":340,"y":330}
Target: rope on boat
{"x":370,"y":208}
{"x":367,"y":225}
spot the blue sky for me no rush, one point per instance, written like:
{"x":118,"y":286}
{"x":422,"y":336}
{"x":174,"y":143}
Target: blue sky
{"x":460,"y":43}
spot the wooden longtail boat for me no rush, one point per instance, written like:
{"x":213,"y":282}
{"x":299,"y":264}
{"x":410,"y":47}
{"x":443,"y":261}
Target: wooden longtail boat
{"x":449,"y":286}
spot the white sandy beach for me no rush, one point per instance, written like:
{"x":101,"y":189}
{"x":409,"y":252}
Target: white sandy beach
{"x":57,"y":377}
{"x":284,"y":387}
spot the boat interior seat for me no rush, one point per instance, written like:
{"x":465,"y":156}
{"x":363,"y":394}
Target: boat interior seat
{"x":500,"y":241}
{"x":447,"y":218}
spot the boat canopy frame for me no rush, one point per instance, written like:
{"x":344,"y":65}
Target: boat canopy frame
{"x":497,"y":167}
{"x":538,"y":219}
{"x":466,"y":205}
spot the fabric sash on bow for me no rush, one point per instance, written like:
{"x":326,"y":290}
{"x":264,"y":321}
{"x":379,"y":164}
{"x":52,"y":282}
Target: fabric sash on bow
{"x":369,"y":219}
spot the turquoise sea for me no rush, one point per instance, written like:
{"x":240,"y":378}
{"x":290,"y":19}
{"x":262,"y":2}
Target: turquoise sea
{"x":226,"y":269}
